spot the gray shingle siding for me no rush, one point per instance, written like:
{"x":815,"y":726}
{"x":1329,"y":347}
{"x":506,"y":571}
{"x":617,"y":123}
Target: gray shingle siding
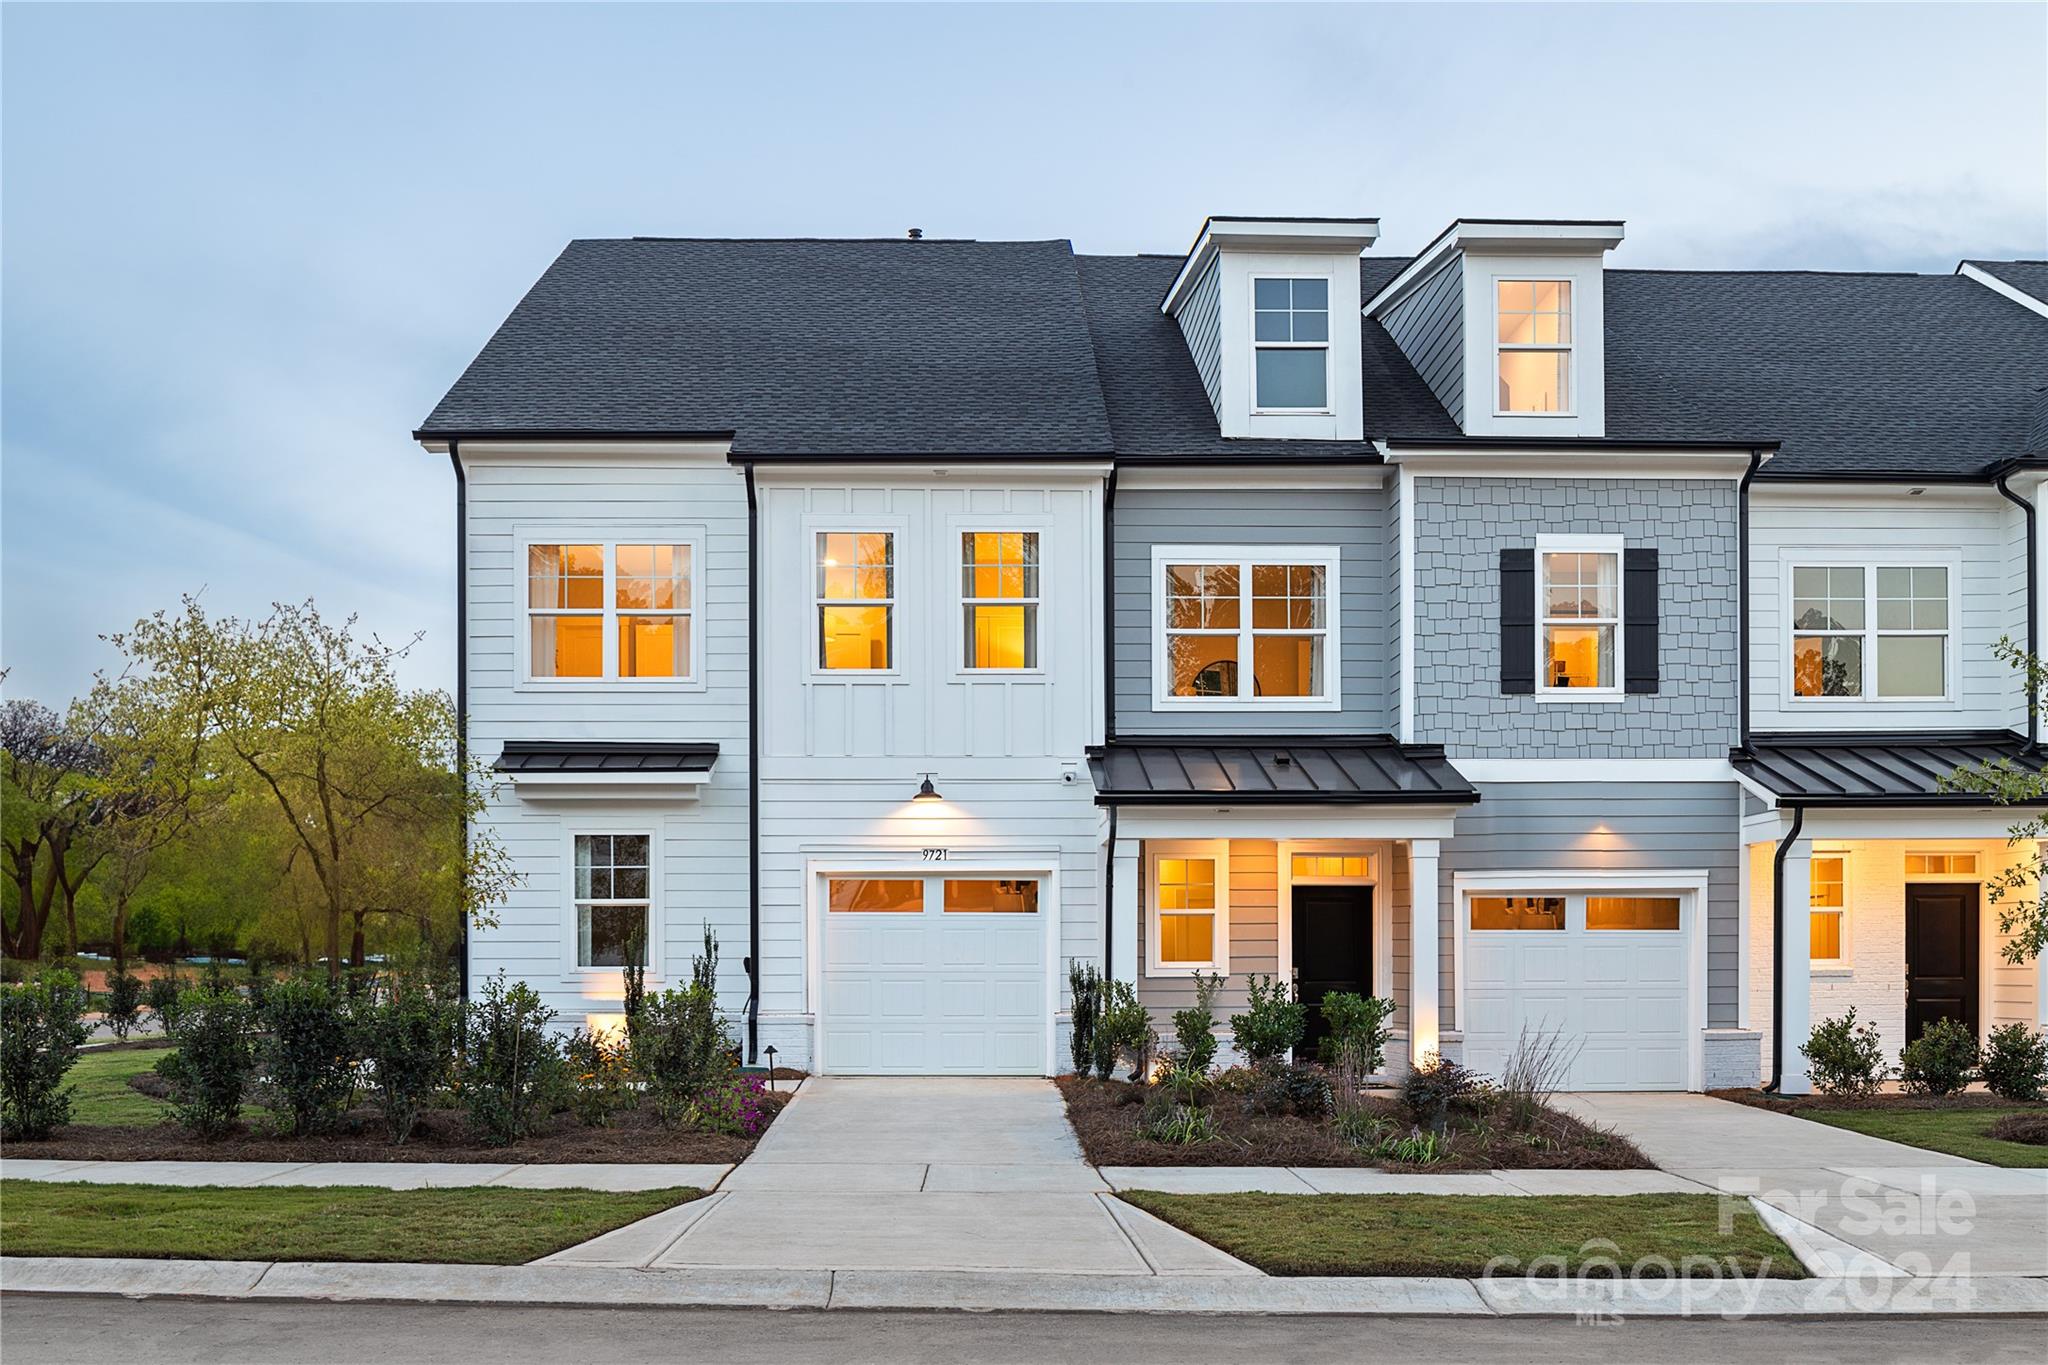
{"x":1352,"y":519}
{"x":1563,"y":826}
{"x":1461,"y":525}
{"x":1429,"y":327}
{"x":1201,"y":322}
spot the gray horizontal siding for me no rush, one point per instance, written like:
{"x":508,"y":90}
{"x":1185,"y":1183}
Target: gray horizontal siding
{"x":1661,"y":826}
{"x":1352,"y":519}
{"x":1429,"y":327}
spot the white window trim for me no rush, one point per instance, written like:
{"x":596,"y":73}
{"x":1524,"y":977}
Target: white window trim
{"x":1843,"y":965}
{"x":959,"y":531}
{"x":1570,"y":349}
{"x":1325,"y":345}
{"x":1975,"y":874}
{"x":1219,"y":851}
{"x":898,"y":550}
{"x":583,"y":976}
{"x":609,"y":541}
{"x":1605,"y":545}
{"x":1326,"y":557}
{"x":1791,"y":560}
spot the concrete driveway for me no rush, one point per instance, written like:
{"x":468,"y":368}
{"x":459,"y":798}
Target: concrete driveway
{"x":1925,"y":1212}
{"x":913,"y":1174}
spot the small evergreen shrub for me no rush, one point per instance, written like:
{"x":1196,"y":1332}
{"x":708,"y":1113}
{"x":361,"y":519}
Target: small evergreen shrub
{"x":408,"y":1037}
{"x":633,"y":998}
{"x":209,"y":1073}
{"x":1843,"y":1057}
{"x":1302,"y":1091}
{"x":1360,"y":1026}
{"x":1194,"y":1028}
{"x":124,"y":1002}
{"x":40,"y":1032}
{"x":600,"y":1078}
{"x":1941,"y":1061}
{"x":162,"y":998}
{"x":514,"y":1067}
{"x":2015,"y":1063}
{"x":1084,"y":991}
{"x":1430,"y":1091}
{"x":1123,"y":1032}
{"x":1272,"y":1023}
{"x":683,"y":1049}
{"x":308,"y":1054}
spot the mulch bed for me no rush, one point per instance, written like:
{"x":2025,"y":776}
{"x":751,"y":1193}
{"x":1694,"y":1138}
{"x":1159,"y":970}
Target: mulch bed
{"x":2028,"y":1128}
{"x":441,"y":1135}
{"x":1792,"y":1104}
{"x":1105,"y":1117}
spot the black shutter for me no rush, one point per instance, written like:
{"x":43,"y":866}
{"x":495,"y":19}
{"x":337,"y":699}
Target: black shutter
{"x":1517,"y":621}
{"x":1639,"y":618}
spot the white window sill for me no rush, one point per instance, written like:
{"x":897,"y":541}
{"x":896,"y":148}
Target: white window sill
{"x":1832,"y":972}
{"x":1588,"y":696}
{"x":1233,"y":704}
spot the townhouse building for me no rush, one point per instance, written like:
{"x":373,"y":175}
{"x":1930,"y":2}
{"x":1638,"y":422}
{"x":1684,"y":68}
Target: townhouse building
{"x":1545,"y":645}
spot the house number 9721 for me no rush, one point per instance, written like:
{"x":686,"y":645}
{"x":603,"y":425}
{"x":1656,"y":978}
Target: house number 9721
{"x":935,"y":855}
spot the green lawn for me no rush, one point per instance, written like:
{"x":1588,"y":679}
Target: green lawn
{"x":453,"y":1226}
{"x":1959,"y":1132}
{"x":103,"y":1094}
{"x":1458,"y":1234}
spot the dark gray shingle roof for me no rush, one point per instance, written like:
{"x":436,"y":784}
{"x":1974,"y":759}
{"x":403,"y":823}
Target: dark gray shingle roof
{"x":2029,"y":277}
{"x":797,"y":347}
{"x":1363,"y":770}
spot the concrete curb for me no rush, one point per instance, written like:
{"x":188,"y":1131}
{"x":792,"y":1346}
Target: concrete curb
{"x":582,"y":1286}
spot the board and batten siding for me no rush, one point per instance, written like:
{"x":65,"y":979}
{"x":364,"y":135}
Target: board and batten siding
{"x":700,"y":844}
{"x":1987,"y":538}
{"x":1563,"y":827}
{"x":1354,"y":520}
{"x":1429,"y":327}
{"x":1200,"y":316}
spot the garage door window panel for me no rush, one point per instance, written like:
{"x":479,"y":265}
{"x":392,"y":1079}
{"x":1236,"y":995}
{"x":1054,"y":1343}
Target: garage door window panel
{"x":1516,"y":913}
{"x":1659,"y":914}
{"x":991,"y":896}
{"x":875,"y":895}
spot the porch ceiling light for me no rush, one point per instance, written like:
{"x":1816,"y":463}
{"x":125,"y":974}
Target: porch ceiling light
{"x":926,"y":791}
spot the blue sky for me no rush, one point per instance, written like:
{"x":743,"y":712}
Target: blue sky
{"x":247,"y":247}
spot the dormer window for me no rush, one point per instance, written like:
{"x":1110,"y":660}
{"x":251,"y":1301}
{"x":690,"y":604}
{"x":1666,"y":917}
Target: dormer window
{"x":1534,"y":359}
{"x":1291,"y":344}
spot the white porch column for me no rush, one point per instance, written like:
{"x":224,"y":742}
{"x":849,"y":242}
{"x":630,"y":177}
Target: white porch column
{"x":2040,"y":967}
{"x":1796,"y":980}
{"x":1423,"y":928}
{"x":1123,"y":910}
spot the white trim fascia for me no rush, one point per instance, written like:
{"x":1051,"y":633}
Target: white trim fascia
{"x":840,"y":474}
{"x":1998,"y":286}
{"x":1754,"y":787}
{"x":1605,"y":770}
{"x":1912,"y":824}
{"x":1282,"y":476}
{"x":599,"y":779}
{"x":1365,"y":823}
{"x":592,"y":451}
{"x":1405,"y":531}
{"x":1266,"y":234}
{"x":1570,"y":461}
{"x":1503,"y":236}
{"x":1794,"y":493}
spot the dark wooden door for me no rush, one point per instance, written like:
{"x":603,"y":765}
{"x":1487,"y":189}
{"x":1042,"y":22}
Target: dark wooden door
{"x":1332,"y":951}
{"x":1941,"y":954}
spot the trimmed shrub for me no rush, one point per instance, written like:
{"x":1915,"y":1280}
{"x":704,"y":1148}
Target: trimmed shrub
{"x":1272,"y":1022}
{"x":408,"y":1037}
{"x":1303,"y":1091}
{"x":308,"y":1053}
{"x":1843,"y":1058}
{"x":683,"y":1047}
{"x":1084,"y":989}
{"x":40,"y":1032}
{"x":1194,"y":1028}
{"x":1123,"y":1032}
{"x":209,"y":1073}
{"x":2015,"y":1063}
{"x":600,"y":1078}
{"x":124,"y":1002}
{"x":514,"y":1067}
{"x":1431,"y":1089}
{"x":1941,"y":1061}
{"x":1360,"y":1026}
{"x":162,"y":998}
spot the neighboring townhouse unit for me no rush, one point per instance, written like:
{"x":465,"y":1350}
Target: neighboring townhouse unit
{"x":1547,"y":646}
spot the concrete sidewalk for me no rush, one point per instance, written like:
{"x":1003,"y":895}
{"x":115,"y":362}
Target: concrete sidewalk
{"x":597,"y":1286}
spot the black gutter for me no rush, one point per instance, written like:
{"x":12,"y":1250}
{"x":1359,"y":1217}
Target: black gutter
{"x":935,"y":460}
{"x":1109,"y":899}
{"x":1778,"y":948}
{"x":2003,"y":485}
{"x":753,"y":962}
{"x":461,"y":696}
{"x":1109,"y":607}
{"x":1567,"y":442}
{"x":1756,"y":459}
{"x":1215,"y":799}
{"x":1262,"y":459}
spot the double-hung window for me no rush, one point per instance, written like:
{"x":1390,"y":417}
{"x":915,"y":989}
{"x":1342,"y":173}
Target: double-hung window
{"x":1188,"y":929}
{"x":613,"y":894}
{"x":1533,"y":356}
{"x":1578,"y":602}
{"x":1246,"y":628}
{"x":856,"y":578}
{"x":610,"y":609}
{"x":1871,"y":631}
{"x":1829,"y":904}
{"x":1291,"y":345}
{"x":999,"y":599}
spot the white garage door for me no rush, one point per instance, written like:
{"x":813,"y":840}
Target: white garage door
{"x":1605,"y":971}
{"x":934,"y":975}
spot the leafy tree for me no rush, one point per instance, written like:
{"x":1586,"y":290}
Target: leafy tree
{"x":2020,"y":891}
{"x":48,"y":802}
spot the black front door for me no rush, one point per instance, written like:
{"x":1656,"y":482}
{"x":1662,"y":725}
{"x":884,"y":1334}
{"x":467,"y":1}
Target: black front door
{"x":1332,"y":951}
{"x":1941,"y":954}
